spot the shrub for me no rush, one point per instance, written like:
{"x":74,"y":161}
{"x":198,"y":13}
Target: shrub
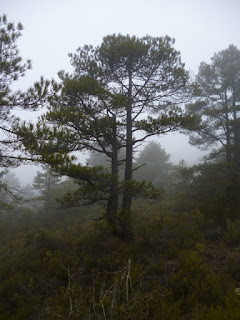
{"x":195,"y":283}
{"x":232,"y":235}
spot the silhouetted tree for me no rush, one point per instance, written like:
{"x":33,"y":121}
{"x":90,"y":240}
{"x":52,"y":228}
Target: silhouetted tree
{"x":45,"y":182}
{"x":156,"y":165}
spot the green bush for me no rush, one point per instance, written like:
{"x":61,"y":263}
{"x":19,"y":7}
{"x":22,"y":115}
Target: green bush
{"x":195,"y":283}
{"x":230,"y":310}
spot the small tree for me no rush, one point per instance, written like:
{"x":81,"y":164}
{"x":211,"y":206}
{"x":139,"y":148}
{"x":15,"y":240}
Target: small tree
{"x":45,"y":182}
{"x":156,"y":165}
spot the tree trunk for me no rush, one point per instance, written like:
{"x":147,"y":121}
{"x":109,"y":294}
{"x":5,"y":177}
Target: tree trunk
{"x":127,"y":198}
{"x":125,"y":223}
{"x":228,"y":135}
{"x":236,"y":154}
{"x":112,"y":205}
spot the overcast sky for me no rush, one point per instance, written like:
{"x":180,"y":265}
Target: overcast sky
{"x":54,"y":28}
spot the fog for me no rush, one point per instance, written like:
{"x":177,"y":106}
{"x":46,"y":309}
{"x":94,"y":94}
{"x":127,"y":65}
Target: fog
{"x":52,"y":29}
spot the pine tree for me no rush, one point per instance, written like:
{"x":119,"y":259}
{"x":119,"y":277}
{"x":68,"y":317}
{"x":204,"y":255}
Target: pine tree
{"x":45,"y":182}
{"x":154,"y":165}
{"x":101,"y":108}
{"x":11,"y":69}
{"x":218,"y":105}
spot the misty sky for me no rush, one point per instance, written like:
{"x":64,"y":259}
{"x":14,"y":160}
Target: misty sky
{"x":54,"y":28}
